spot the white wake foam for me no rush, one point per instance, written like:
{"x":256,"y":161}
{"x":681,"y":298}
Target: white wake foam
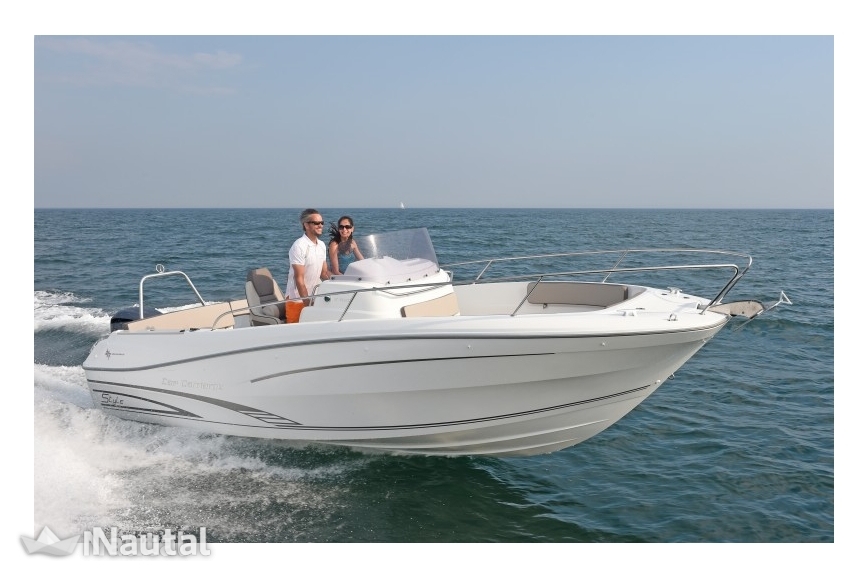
{"x":92,"y":469}
{"x":65,"y":311}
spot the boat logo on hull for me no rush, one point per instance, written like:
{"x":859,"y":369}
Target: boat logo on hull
{"x":137,"y":404}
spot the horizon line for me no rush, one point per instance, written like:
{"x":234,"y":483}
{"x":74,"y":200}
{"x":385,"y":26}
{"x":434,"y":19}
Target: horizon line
{"x":438,"y":208}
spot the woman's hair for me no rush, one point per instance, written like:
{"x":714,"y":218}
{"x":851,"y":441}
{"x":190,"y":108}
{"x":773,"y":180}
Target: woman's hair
{"x":335,"y":233}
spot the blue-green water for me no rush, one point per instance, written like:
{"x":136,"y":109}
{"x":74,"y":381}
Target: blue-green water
{"x":738,"y":447}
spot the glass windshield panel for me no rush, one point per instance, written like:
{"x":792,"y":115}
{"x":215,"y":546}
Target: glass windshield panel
{"x":405,"y":244}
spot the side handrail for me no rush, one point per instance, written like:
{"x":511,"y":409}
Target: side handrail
{"x":621,"y":255}
{"x":416,"y":288}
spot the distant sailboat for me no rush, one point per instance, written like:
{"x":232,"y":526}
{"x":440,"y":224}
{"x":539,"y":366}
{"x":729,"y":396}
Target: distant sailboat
{"x":402,"y":204}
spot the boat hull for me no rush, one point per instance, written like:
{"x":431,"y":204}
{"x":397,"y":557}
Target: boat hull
{"x":510,"y":386}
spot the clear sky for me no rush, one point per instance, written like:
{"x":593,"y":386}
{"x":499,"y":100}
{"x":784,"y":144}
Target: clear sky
{"x":434,"y":121}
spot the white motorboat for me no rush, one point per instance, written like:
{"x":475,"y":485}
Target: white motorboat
{"x":403,"y":355}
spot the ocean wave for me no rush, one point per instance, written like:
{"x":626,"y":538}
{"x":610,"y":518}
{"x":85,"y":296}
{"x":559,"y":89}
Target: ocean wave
{"x":63,"y":311}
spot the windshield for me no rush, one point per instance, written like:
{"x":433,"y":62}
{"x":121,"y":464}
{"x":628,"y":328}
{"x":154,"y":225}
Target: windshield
{"x":406,"y":244}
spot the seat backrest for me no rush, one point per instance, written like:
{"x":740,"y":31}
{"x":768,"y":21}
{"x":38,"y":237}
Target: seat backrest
{"x":443,"y":306}
{"x":261,"y":289}
{"x":573,"y":293}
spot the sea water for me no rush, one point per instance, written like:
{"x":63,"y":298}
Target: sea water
{"x":737,"y":447}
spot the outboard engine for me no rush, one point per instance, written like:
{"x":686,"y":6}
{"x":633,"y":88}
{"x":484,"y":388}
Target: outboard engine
{"x":120,"y":319}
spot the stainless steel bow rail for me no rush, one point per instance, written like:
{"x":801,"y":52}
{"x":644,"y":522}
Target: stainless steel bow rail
{"x":750,"y":309}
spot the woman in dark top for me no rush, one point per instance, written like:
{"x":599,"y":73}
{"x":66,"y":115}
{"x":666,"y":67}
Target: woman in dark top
{"x":342,"y":247}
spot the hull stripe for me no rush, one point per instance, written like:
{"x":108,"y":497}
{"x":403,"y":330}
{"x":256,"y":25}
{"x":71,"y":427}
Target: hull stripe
{"x":284,"y":423}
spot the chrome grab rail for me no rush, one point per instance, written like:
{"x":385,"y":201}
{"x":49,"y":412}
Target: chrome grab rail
{"x":161,"y":272}
{"x":417,"y":288}
{"x":621,"y":254}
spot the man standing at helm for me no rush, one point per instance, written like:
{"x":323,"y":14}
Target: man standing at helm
{"x":307,"y":257}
